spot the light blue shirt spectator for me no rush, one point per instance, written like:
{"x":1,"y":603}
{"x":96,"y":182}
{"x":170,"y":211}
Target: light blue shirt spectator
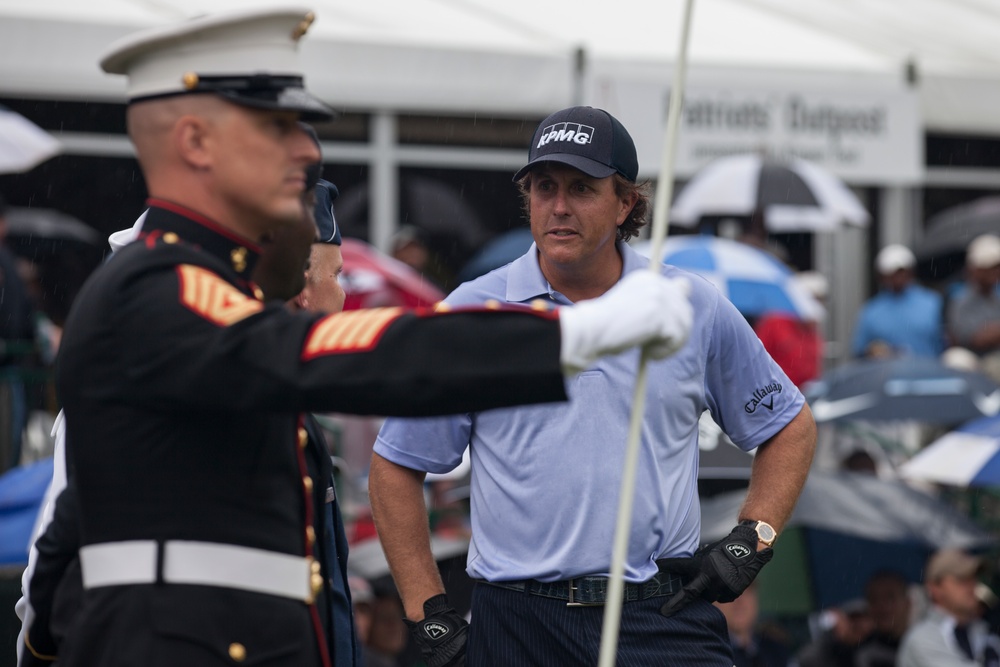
{"x":908,"y":322}
{"x":904,"y":319}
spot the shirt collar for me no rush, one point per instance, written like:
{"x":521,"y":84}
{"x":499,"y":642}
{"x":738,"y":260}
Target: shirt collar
{"x":526,"y":282}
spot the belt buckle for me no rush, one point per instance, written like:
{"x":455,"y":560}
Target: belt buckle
{"x":571,"y":587}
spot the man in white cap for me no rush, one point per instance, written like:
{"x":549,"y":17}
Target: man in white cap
{"x":952,"y":634}
{"x":974,"y":314}
{"x":904,"y":318}
{"x":183,"y":392}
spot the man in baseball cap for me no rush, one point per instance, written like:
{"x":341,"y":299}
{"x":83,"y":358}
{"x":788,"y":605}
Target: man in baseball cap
{"x":952,"y":632}
{"x":904,"y":318}
{"x":973,"y":315}
{"x":541,"y":592}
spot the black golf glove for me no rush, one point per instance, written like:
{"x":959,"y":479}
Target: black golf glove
{"x":719,"y":572}
{"x":441,"y":635}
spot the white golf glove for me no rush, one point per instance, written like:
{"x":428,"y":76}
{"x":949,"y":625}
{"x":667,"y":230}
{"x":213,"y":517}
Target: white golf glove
{"x":642,"y":309}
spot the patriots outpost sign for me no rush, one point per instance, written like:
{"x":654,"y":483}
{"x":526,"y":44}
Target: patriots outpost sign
{"x":863,"y":136}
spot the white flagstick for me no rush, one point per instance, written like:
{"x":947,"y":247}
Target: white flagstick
{"x":664,"y":193}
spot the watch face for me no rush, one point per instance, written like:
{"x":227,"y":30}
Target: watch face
{"x":765,"y":532}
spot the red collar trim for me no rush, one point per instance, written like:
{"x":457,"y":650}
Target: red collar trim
{"x":203,"y":221}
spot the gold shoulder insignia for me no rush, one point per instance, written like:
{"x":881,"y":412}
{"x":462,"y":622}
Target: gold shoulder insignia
{"x":351,"y":331}
{"x":213,"y":298}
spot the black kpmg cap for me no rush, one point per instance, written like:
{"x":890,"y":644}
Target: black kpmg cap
{"x":328,"y":231}
{"x":248,"y":57}
{"x":589,"y":139}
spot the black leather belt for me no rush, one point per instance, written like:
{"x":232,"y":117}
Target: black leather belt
{"x":586,"y":591}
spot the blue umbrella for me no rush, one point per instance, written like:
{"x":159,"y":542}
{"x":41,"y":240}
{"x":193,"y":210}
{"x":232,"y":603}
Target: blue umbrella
{"x":967,"y":456}
{"x":21,"y":492}
{"x":753,"y":280}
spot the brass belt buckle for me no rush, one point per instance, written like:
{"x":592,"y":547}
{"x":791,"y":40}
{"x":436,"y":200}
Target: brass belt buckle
{"x":571,"y":584}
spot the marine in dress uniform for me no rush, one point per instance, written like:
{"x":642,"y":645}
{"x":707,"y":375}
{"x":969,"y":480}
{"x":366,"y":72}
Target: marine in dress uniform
{"x":184,"y":392}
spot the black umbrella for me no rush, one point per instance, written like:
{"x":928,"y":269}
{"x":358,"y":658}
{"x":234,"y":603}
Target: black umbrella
{"x":846,"y":526}
{"x":941,"y":253}
{"x":792,"y":195}
{"x":46,"y":226}
{"x":904,"y":388}
{"x":63,"y":250}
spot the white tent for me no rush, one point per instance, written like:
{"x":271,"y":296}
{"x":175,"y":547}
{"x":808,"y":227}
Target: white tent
{"x":518,"y":56}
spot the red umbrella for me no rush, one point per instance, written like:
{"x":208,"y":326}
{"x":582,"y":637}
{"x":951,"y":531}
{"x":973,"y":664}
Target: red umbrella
{"x":372,"y":279}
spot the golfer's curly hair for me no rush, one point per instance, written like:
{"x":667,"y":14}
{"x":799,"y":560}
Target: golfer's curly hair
{"x":624,"y":189}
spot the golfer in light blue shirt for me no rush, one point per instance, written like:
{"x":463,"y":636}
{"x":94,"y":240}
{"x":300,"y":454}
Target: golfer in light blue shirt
{"x":545,"y":479}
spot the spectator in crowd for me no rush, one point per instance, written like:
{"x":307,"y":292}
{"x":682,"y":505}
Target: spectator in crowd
{"x":973,"y":316}
{"x":752,"y":645}
{"x":847,"y":626}
{"x":796,"y":343}
{"x":952,"y":633}
{"x":387,"y":635}
{"x":888,"y":595}
{"x":904,"y":318}
{"x":17,"y":332}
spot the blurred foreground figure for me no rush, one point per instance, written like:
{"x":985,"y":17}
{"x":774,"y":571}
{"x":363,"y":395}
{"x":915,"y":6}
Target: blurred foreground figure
{"x":545,"y":478}
{"x":183,"y":391}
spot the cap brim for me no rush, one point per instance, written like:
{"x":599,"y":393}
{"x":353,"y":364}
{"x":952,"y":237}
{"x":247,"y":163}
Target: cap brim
{"x":591,"y":168}
{"x":310,"y":108}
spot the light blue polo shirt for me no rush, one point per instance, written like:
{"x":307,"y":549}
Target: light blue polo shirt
{"x":546,"y":478}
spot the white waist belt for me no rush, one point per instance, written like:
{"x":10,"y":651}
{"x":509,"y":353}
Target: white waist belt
{"x":204,"y":563}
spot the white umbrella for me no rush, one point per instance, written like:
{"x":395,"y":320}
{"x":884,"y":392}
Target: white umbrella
{"x":967,"y":456}
{"x":794,"y":195}
{"x":23,"y":145}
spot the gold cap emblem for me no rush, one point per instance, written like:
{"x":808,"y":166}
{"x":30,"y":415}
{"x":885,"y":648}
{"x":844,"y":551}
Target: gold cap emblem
{"x":303,"y":27}
{"x":190,"y":80}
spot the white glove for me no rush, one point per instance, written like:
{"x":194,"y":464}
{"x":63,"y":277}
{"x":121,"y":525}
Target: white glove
{"x":642,"y":309}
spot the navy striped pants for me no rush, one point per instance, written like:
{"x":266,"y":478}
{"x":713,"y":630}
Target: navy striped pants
{"x":514,"y":629}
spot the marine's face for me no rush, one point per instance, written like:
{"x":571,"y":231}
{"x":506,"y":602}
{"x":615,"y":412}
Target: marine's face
{"x":260,"y":165}
{"x":574,"y":217}
{"x":323,"y":292}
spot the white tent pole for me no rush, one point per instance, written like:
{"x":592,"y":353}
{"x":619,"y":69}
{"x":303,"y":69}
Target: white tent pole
{"x":626,"y":495}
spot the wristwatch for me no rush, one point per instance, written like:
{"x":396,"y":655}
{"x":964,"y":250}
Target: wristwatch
{"x":765,"y":533}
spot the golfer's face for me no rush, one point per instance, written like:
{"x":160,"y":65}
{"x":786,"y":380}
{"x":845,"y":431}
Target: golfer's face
{"x":574,"y":217}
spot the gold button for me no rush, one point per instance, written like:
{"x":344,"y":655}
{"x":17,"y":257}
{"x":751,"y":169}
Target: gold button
{"x":170,"y":237}
{"x":238,"y":256}
{"x":238,"y":652}
{"x":492,"y":304}
{"x":303,"y":438}
{"x":442,"y":307}
{"x":317,"y":583}
{"x":308,"y":483}
{"x":310,"y":535}
{"x":539,"y":304}
{"x":190,"y":80}
{"x":258,"y":293}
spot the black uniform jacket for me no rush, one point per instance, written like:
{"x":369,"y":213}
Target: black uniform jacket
{"x":183,"y":395}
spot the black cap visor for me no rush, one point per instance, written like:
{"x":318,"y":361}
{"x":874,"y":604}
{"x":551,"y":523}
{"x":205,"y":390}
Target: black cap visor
{"x":289,"y":99}
{"x":591,"y":168}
